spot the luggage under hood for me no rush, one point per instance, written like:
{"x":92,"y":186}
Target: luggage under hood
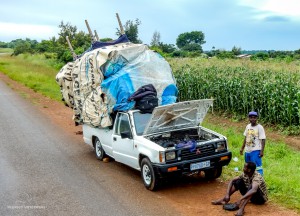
{"x":176,"y":116}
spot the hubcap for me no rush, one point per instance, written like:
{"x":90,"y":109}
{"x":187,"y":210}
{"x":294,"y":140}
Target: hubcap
{"x":98,"y":149}
{"x":146,"y":174}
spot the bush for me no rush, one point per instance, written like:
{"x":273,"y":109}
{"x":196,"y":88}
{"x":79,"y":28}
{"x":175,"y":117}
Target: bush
{"x":260,"y":56}
{"x":50,"y":55}
{"x":179,"y":53}
{"x":194,"y":54}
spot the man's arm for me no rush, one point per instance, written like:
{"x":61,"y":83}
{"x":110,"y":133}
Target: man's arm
{"x":228,"y":192}
{"x":262,"y":137}
{"x":250,"y":192}
{"x":243,"y":146}
{"x":263,"y":142}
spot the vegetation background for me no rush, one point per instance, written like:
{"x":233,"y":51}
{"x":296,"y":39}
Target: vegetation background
{"x":266,"y":81}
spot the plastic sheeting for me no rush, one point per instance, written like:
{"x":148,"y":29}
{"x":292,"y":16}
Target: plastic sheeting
{"x":101,"y":80}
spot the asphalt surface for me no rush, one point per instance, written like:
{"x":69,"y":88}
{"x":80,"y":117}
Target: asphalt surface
{"x":44,"y":171}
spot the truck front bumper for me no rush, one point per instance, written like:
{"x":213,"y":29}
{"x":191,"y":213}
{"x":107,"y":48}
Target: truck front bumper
{"x":184,"y":167}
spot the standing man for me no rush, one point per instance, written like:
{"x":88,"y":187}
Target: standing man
{"x":254,"y":142}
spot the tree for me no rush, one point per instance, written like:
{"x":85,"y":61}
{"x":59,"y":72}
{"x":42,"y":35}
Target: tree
{"x":80,"y":42}
{"x":191,"y":41}
{"x":223,"y":54}
{"x":106,"y":39}
{"x":155,"y":39}
{"x":260,"y":56}
{"x":166,"y":48}
{"x":66,"y":30}
{"x":81,"y":39}
{"x":131,"y":29}
{"x":236,"y":50}
{"x":45,"y":46}
{"x":23,"y":46}
{"x":3,"y":44}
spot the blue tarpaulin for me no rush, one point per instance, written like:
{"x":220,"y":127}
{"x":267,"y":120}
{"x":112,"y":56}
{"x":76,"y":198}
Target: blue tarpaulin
{"x":131,"y":68}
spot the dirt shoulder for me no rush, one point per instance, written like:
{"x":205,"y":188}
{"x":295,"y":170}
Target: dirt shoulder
{"x":189,"y":197}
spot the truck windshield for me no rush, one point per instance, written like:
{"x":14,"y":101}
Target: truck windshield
{"x":140,"y":122}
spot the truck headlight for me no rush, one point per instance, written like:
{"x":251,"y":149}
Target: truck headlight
{"x":161,"y":157}
{"x":221,"y":146}
{"x":170,"y":155}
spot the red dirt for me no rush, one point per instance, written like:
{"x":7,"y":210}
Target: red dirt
{"x":189,"y":197}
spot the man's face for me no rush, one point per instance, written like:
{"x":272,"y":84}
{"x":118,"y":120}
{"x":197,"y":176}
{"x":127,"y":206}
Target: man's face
{"x":246,"y":170}
{"x":253,"y":120}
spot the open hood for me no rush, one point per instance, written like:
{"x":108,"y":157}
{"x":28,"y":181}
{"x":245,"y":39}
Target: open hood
{"x":176,"y":116}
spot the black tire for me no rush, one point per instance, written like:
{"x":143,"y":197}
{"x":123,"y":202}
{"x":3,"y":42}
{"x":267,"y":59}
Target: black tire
{"x":99,"y":152}
{"x":148,"y":175}
{"x":213,"y":173}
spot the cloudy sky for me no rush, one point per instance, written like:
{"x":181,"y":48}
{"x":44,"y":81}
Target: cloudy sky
{"x":248,"y":24}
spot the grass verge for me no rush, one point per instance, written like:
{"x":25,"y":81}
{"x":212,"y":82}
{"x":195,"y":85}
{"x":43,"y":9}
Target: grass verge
{"x":34,"y":72}
{"x":6,"y":50}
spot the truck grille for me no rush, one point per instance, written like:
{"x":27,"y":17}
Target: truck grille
{"x":200,"y":151}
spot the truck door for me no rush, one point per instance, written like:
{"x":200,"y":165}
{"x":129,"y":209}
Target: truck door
{"x":123,"y":144}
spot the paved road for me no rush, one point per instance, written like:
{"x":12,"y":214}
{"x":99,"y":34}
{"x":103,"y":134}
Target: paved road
{"x":45,"y":172}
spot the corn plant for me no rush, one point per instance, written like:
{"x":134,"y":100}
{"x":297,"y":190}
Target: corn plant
{"x":239,"y":86}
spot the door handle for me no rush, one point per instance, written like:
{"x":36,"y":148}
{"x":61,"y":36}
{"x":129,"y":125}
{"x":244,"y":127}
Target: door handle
{"x":115,"y":139}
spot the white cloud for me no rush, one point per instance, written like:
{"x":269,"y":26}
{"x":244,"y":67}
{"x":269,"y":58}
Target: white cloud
{"x":287,"y":8}
{"x":14,"y":30}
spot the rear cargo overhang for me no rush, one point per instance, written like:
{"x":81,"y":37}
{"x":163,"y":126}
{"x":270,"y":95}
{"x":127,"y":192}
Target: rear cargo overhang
{"x":177,"y":116}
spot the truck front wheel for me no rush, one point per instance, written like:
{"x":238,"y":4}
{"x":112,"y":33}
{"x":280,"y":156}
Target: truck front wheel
{"x":148,"y":175}
{"x":98,"y":149}
{"x":213,"y":173}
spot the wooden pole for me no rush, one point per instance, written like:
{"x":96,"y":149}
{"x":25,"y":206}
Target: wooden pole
{"x":90,"y":31}
{"x":96,"y":35}
{"x":120,"y":24}
{"x":71,"y":48}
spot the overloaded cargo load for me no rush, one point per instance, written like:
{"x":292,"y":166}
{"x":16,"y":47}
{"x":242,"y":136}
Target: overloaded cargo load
{"x":101,"y":81}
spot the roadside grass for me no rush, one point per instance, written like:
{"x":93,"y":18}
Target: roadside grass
{"x":34,"y":72}
{"x":6,"y":50}
{"x":281,"y":163}
{"x":281,"y":166}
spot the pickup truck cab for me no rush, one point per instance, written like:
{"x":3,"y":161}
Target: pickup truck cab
{"x":168,"y":141}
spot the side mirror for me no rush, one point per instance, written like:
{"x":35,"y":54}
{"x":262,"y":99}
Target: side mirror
{"x":126,"y":134}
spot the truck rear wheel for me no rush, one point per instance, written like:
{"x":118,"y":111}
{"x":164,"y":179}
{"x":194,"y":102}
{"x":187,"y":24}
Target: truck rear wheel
{"x":213,"y":173}
{"x":100,"y":154}
{"x":148,"y":175}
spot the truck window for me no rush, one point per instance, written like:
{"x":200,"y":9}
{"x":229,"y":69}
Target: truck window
{"x":141,"y":121}
{"x":122,"y":124}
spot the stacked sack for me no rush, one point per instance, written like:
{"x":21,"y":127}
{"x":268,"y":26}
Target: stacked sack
{"x":102,"y":80}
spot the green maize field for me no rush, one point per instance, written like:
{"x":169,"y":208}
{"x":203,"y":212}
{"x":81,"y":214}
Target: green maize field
{"x":239,"y":86}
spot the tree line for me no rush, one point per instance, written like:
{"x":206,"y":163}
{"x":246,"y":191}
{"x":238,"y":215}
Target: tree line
{"x":188,"y":44}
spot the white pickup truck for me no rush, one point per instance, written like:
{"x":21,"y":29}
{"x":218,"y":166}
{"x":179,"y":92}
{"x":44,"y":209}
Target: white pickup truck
{"x":168,"y":141}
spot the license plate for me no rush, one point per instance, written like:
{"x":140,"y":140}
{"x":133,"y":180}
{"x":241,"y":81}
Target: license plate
{"x":200,"y":165}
